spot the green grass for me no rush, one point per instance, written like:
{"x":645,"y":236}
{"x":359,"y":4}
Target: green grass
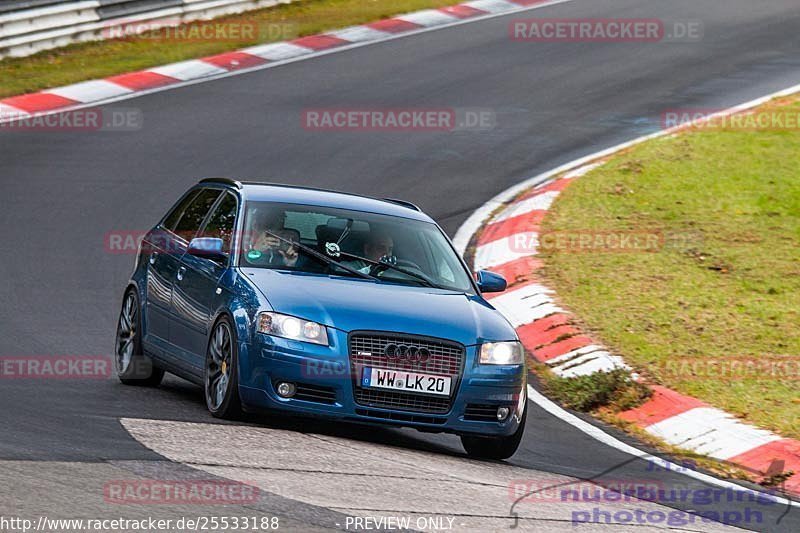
{"x":726,"y":284}
{"x":614,"y":390}
{"x":99,"y":59}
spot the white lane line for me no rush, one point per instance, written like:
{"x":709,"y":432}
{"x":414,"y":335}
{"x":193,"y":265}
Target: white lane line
{"x":253,"y":50}
{"x":582,"y":171}
{"x":600,"y":435}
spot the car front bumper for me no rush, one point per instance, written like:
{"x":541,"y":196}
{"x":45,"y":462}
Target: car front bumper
{"x":270,"y":360}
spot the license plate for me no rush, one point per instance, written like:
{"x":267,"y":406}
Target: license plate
{"x":400,"y":380}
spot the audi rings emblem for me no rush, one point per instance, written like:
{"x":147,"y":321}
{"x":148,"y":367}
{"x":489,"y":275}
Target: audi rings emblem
{"x":417,"y":354}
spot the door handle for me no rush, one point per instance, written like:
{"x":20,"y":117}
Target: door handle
{"x":153,"y":258}
{"x":181,"y":272}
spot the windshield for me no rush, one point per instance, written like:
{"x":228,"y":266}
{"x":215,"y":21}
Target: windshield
{"x":328,"y":240}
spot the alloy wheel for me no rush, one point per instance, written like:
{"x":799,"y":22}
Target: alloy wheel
{"x":218,"y":365}
{"x":126,"y":333}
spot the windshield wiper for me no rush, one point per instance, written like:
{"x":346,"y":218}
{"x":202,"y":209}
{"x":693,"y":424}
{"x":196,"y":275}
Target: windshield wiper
{"x":313,"y":253}
{"x":385,"y":264}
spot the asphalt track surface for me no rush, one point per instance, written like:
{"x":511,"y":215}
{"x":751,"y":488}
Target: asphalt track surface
{"x":63,"y":192}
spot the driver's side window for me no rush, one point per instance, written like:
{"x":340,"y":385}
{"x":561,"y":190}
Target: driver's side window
{"x":222,"y":222}
{"x":189,"y":223}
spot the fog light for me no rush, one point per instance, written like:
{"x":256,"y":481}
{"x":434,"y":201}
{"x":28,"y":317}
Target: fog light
{"x":287,"y":390}
{"x":502,"y":413}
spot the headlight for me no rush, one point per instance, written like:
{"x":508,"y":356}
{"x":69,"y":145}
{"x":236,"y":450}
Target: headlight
{"x":502,"y":353}
{"x":292,"y":328}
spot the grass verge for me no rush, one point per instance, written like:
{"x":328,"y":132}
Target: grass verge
{"x":614,"y":390}
{"x":713,"y":310}
{"x":99,"y":59}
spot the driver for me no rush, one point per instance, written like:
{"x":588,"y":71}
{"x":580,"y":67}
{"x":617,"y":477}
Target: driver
{"x":379,"y":245}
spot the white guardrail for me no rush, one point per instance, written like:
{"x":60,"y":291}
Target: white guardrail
{"x":27,"y":27}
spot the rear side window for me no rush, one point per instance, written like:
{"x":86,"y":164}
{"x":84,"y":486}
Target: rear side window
{"x":222,"y":222}
{"x":195,"y":213}
{"x":177,"y":211}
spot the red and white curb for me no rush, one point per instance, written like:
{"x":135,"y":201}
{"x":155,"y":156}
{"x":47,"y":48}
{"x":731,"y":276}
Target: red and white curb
{"x":504,"y":234}
{"x":132,"y":84}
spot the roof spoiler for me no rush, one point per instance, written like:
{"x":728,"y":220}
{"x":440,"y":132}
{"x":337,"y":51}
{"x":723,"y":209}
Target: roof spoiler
{"x":404,"y":203}
{"x":227,"y":181}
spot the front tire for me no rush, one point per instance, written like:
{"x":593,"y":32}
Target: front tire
{"x":221,"y":381}
{"x":496,"y":448}
{"x":133,"y":367}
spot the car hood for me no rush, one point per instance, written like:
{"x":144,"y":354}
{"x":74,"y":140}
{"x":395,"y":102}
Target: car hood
{"x":355,"y":304}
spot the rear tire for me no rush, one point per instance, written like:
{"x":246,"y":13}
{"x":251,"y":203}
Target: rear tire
{"x":497,"y":448}
{"x":133,"y":367}
{"x":221,"y":376}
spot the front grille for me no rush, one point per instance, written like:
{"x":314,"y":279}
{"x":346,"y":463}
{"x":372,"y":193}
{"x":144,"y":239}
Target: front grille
{"x":445,"y":358}
{"x":402,"y":400}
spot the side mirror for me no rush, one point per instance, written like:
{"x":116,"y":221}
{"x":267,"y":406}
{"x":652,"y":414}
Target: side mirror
{"x":490,"y":282}
{"x":208,"y":247}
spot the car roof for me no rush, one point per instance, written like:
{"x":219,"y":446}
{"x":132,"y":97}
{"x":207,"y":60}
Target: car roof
{"x":294,"y":194}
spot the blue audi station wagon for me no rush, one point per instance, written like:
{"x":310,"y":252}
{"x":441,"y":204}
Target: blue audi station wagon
{"x":318,"y":303}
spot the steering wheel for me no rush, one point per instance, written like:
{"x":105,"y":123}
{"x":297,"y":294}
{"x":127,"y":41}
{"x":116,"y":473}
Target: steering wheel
{"x":377,"y":270}
{"x":405,"y":263}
